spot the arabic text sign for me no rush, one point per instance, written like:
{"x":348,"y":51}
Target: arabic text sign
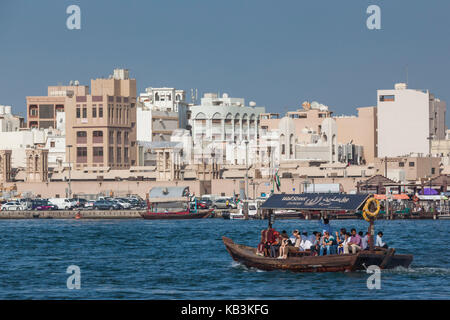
{"x":315,"y":201}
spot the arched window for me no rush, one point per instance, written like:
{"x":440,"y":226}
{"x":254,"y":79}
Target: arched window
{"x":156,"y":96}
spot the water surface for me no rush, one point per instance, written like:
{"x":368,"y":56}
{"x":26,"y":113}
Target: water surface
{"x":144,"y":259}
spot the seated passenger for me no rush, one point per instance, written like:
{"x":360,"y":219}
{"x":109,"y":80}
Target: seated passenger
{"x":365,"y":242}
{"x":305,"y":243}
{"x":354,"y":243}
{"x":316,"y":244}
{"x":329,"y":244}
{"x":261,"y":250}
{"x":379,"y":242}
{"x":275,"y":245}
{"x":284,"y":248}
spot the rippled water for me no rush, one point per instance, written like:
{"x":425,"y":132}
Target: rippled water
{"x":138,"y":259}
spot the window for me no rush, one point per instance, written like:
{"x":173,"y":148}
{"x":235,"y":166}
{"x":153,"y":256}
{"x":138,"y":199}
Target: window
{"x":100,"y":111}
{"x":411,"y":164}
{"x":111,"y":154}
{"x":119,"y":137}
{"x":111,"y":137}
{"x":78,"y":113}
{"x":52,"y":144}
{"x":125,"y":155}
{"x":81,"y":137}
{"x":94,"y":111}
{"x":433,"y":170}
{"x":401,"y":164}
{"x":81,"y":154}
{"x":387,"y":98}
{"x":97,"y":137}
{"x":97,"y":154}
{"x":119,"y":155}
{"x":84,"y":111}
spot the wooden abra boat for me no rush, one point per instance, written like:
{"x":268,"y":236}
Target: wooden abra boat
{"x":302,"y":262}
{"x":172,"y":203}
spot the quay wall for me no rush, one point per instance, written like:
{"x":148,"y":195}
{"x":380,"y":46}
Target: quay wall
{"x":226,"y":187}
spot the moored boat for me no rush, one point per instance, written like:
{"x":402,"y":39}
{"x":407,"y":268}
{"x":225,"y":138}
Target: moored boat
{"x":177,"y":215}
{"x":172,"y":203}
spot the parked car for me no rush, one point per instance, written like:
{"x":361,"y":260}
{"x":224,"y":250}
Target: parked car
{"x":105,"y":205}
{"x":13,"y":205}
{"x":80,"y":202}
{"x":204,"y":204}
{"x":43,"y":205}
{"x":223,"y":204}
{"x":89,"y":204}
{"x":61,"y":203}
{"x":123,"y":203}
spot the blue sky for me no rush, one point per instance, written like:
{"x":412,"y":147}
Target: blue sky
{"x":277,"y":53}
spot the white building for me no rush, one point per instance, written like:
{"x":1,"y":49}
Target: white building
{"x":406,"y":120}
{"x":19,"y":141}
{"x":160,"y":111}
{"x":224,"y":124}
{"x":8,"y":121}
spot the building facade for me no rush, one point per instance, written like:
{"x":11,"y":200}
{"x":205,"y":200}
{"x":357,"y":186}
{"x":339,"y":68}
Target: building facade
{"x":8,"y":121}
{"x":42,"y":111}
{"x":101,"y":126}
{"x":408,"y":120}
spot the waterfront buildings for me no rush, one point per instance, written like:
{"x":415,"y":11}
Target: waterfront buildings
{"x":42,"y":110}
{"x":224,"y":126}
{"x":8,"y":121}
{"x":408,"y":120}
{"x":101,"y":126}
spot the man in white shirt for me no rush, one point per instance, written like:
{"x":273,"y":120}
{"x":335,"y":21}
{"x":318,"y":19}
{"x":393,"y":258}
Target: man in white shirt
{"x":306,"y":243}
{"x":379,"y":242}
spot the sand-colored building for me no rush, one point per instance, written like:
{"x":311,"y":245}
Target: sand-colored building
{"x":360,"y":130}
{"x":101,"y":126}
{"x":42,"y":110}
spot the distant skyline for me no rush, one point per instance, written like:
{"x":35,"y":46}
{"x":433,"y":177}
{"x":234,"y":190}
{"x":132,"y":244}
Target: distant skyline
{"x":278,"y":54}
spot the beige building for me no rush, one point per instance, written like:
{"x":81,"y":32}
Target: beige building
{"x":5,"y":166}
{"x":42,"y":110}
{"x":101,"y":126}
{"x":360,"y":130}
{"x":408,"y":169}
{"x":37,"y":165}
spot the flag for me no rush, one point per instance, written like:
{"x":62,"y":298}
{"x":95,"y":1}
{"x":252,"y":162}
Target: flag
{"x":276,"y":180}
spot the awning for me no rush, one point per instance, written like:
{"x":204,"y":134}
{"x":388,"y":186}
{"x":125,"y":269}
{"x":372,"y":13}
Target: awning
{"x":434,"y":198}
{"x":315,"y":201}
{"x":394,"y":196}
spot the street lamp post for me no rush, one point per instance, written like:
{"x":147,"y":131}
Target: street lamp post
{"x":246,"y":169}
{"x":430,"y":138}
{"x":70,"y":170}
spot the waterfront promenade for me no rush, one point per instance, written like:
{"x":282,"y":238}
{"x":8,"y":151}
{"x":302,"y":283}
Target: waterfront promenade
{"x":136,"y":214}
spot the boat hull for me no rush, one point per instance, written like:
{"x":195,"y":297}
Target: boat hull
{"x":329,"y":263}
{"x":176,"y":216}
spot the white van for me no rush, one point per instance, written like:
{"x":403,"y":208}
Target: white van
{"x":61,"y":203}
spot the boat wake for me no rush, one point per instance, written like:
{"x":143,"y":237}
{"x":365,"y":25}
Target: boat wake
{"x":419,"y":271}
{"x":240,"y":266}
